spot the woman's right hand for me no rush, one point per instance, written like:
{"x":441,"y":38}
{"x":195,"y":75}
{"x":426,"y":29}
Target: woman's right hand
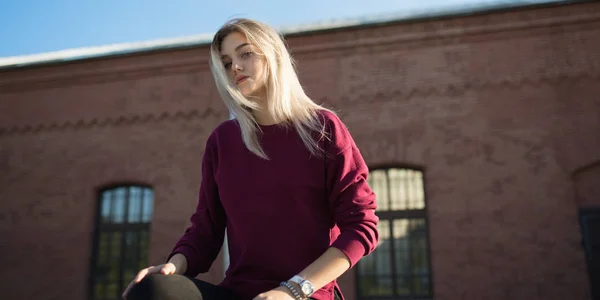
{"x":166,"y":269}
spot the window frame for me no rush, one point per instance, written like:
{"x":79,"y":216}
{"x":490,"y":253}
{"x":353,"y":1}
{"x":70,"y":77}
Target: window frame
{"x":99,"y":228}
{"x":405,"y":214}
{"x":588,"y":211}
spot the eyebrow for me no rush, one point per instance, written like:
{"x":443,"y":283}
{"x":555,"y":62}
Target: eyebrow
{"x":236,"y":48}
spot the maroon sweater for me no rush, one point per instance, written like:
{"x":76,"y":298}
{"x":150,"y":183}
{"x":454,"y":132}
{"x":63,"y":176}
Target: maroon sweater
{"x":279,"y":214}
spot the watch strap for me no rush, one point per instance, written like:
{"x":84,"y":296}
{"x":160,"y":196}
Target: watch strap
{"x":292,"y":289}
{"x":301,"y":281}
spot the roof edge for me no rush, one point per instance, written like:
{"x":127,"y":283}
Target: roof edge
{"x":122,"y":49}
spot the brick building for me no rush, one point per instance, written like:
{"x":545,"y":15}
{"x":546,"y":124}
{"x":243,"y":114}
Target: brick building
{"x":482,"y":132}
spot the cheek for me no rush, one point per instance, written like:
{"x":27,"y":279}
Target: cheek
{"x":229,"y":74}
{"x":260,"y":69}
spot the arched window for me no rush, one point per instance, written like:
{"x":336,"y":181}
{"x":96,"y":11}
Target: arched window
{"x":589,"y":218}
{"x":121,"y":240}
{"x":399,"y":268}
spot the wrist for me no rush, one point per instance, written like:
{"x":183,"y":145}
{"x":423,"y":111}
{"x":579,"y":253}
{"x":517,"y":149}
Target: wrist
{"x":291,"y":290}
{"x":180,"y":263}
{"x":303,"y":285}
{"x":286,"y":290}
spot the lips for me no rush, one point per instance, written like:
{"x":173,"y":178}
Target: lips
{"x":240,"y":79}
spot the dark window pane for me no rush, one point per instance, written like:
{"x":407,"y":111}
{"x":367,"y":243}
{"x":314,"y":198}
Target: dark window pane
{"x":400,"y":266}
{"x":102,"y":265}
{"x":103,"y":262}
{"x":115,"y":257}
{"x":131,"y":244}
{"x":107,"y":265}
{"x":118,"y":209}
{"x":103,"y":250}
{"x":590,"y":230}
{"x":421,"y":285}
{"x":375,"y":268}
{"x":105,"y":207}
{"x":112,"y":291}
{"x":418,"y":247}
{"x":411,"y":247}
{"x":410,"y":285}
{"x":412,"y":263}
{"x":376,"y":285}
{"x":122,"y":241}
{"x":148,"y":199}
{"x":144,"y":246}
{"x":402,"y":246}
{"x":383,"y":251}
{"x":131,"y":256}
{"x":403,"y":284}
{"x":134,"y":214}
{"x":99,"y":292}
{"x":378,"y":261}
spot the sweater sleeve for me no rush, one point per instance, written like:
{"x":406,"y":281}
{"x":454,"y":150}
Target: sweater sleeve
{"x":203,"y":238}
{"x":351,"y":199}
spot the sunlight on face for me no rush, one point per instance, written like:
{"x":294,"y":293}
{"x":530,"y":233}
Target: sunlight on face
{"x":244,"y":65}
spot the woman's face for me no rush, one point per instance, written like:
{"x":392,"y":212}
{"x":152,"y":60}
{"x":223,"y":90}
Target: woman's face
{"x":245,"y":66}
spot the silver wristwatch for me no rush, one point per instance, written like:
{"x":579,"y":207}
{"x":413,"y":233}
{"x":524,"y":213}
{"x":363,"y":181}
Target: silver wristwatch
{"x":306,"y":287}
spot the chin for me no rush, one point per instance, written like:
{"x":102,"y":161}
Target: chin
{"x":251,"y":91}
{"x":248,"y":92}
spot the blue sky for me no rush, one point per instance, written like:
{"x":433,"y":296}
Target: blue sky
{"x":38,"y":26}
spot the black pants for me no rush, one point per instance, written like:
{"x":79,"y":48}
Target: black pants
{"x":178,"y":287}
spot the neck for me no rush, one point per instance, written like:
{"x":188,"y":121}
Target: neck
{"x":263,"y":117}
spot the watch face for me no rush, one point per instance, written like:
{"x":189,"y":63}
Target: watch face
{"x":307,"y":289}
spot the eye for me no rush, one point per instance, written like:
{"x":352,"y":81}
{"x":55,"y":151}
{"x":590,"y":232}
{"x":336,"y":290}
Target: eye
{"x":227,"y":65}
{"x":246,"y":54}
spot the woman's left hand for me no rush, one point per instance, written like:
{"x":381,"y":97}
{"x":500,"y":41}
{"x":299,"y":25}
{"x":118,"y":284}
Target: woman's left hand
{"x":280,"y":293}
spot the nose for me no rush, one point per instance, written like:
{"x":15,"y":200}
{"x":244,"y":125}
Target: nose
{"x":236,"y":67}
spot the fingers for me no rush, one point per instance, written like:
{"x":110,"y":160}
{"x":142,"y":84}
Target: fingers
{"x":124,"y":296}
{"x":142,"y":274}
{"x":164,"y":270}
{"x":167,"y":269}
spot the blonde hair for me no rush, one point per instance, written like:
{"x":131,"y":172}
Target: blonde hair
{"x":287,"y":102}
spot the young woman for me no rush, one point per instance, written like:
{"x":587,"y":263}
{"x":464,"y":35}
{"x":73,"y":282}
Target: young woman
{"x":284,"y":179}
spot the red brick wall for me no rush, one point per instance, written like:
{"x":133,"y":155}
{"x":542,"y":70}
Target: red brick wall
{"x":502,"y":111}
{"x":70,"y":133}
